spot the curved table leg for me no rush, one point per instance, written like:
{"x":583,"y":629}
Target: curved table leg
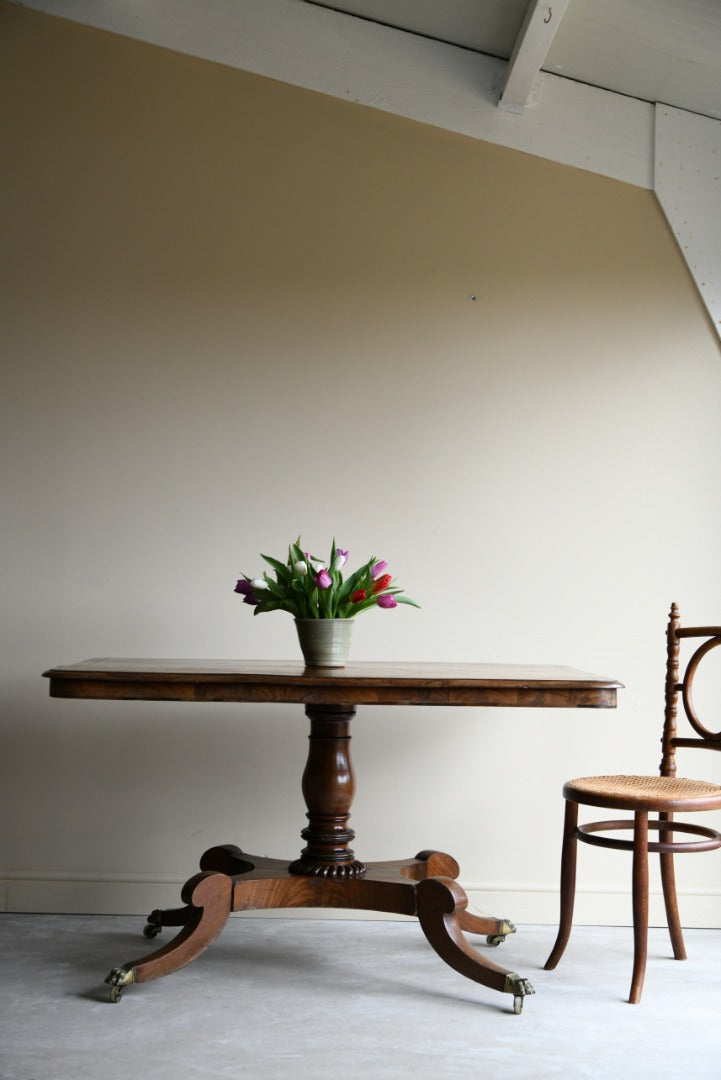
{"x":160,"y":917}
{"x":208,"y":896}
{"x":430,"y":863}
{"x":228,"y":859}
{"x":223,"y":859}
{"x":496,"y":930}
{"x":440,"y":902}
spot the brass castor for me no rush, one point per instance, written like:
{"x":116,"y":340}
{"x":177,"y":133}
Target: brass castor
{"x":520,"y":988}
{"x":154,"y":925}
{"x":117,"y":980}
{"x":497,"y":939}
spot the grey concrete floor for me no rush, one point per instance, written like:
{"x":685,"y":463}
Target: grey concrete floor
{"x":320,"y":999}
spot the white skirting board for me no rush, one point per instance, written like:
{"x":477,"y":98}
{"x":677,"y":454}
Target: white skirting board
{"x":78,"y":894}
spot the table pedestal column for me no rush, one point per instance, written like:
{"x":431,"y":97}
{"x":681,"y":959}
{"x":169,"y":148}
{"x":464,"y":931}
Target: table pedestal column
{"x":328,"y":788}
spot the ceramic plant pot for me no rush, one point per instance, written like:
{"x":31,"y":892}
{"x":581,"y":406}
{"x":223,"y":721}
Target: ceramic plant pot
{"x":324,"y":642}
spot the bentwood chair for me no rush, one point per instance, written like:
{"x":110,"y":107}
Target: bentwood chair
{"x":663,"y":795}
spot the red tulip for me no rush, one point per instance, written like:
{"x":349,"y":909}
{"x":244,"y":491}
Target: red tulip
{"x":381,"y":584}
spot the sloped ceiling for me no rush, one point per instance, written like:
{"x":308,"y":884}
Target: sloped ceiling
{"x":630,"y":89}
{"x":665,"y":51}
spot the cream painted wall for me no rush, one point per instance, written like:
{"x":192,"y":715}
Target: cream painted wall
{"x":234,"y":311}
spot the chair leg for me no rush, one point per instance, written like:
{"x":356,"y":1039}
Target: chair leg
{"x":668,"y":880}
{"x":640,"y":904}
{"x":568,"y":884}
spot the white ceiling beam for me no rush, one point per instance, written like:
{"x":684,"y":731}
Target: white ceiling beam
{"x":534,"y":39}
{"x":688,"y":187}
{"x":358,"y":61}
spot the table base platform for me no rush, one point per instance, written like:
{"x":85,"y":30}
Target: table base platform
{"x":231,"y":880}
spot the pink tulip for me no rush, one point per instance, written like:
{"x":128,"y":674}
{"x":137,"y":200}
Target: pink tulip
{"x":386,"y":600}
{"x":378,"y":568}
{"x":323,"y":579}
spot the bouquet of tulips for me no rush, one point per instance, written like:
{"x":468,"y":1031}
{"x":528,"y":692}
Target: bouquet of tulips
{"x":308,"y":588}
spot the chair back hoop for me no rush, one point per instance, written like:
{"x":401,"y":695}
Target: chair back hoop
{"x":683,"y":682}
{"x":687,"y":688}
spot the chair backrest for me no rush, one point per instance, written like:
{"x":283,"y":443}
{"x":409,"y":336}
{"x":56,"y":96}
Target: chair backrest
{"x":677,"y":683}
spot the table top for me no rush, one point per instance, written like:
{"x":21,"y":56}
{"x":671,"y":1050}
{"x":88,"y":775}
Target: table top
{"x":358,"y":683}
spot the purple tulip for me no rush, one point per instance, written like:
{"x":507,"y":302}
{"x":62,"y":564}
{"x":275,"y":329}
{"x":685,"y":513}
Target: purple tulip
{"x":323,"y":579}
{"x":378,"y":568}
{"x":245,"y":588}
{"x":386,"y":600}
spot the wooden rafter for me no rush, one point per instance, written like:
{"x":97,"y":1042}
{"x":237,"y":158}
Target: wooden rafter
{"x":541,"y":21}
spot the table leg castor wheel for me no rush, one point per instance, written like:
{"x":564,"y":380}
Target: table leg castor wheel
{"x":154,"y":925}
{"x":506,"y":928}
{"x":117,"y":980}
{"x":520,"y":988}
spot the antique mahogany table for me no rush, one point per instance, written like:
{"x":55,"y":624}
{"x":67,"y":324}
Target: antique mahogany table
{"x":327,"y":873}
